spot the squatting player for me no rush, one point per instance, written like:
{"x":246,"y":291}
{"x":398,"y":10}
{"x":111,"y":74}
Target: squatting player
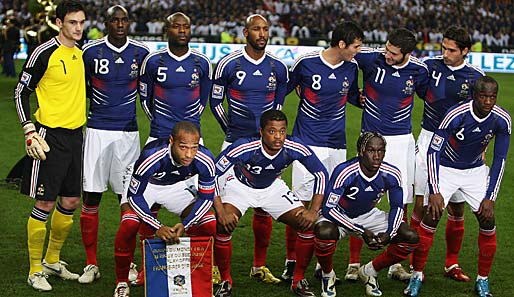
{"x":111,"y":141}
{"x":391,"y":78}
{"x":349,"y":207}
{"x":253,"y":81}
{"x":254,"y":166}
{"x":455,"y":162}
{"x":163,"y":175}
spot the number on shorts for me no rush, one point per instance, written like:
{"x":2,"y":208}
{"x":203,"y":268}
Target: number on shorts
{"x":291,"y":197}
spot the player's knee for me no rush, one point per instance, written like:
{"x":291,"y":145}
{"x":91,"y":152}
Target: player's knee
{"x":456,"y":209}
{"x":92,"y":198}
{"x":326,"y":230}
{"x":408,"y":235}
{"x":70,"y":203}
{"x":429,"y":221}
{"x":487,"y":224}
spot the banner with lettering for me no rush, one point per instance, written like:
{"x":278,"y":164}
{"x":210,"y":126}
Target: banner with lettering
{"x":182,"y":270}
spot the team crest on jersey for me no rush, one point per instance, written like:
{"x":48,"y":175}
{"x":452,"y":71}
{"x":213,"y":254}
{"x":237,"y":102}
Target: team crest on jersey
{"x":409,"y":87}
{"x":179,"y":280}
{"x":134,"y":69}
{"x":488,"y":137}
{"x":25,"y":78}
{"x":345,"y":87}
{"x":464,"y":90}
{"x":195,"y":79}
{"x":332,"y":200}
{"x":272,"y":82}
{"x":217,"y":91}
{"x":143,"y":89}
{"x":223,"y":163}
{"x":437,"y":142}
{"x":134,"y":185}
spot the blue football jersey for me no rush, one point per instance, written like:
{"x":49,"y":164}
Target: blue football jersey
{"x":324,"y":91}
{"x":447,"y":87}
{"x":251,"y":87}
{"x":257,"y":169}
{"x":351,"y":194}
{"x":156,"y":166}
{"x":174,"y":89}
{"x":112,"y":75}
{"x":389,"y":92}
{"x":462,"y":137}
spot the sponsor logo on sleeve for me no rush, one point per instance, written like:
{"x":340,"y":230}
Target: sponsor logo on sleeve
{"x":223,"y":163}
{"x":134,"y":185}
{"x":437,"y":142}
{"x":217,"y":91}
{"x":25,"y":78}
{"x":143,"y":89}
{"x":332,"y":200}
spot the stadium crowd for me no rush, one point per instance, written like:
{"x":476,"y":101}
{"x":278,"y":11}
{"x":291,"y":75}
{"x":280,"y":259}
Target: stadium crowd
{"x":490,"y":22}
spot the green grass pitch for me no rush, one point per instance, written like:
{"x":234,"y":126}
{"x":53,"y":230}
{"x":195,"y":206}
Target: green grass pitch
{"x":16,"y":209}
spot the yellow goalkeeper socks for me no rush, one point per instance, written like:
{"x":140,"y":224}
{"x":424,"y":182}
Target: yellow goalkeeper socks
{"x":62,"y":220}
{"x":36,"y":234}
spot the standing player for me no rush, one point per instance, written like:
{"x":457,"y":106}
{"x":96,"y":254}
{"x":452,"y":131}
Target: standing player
{"x":56,"y":71}
{"x":253,"y":167}
{"x":253,"y":81}
{"x":391,"y":78}
{"x":175,"y":81}
{"x":451,"y":79}
{"x":326,"y":80}
{"x":111,"y":138}
{"x":174,"y":86}
{"x":455,"y":162}
{"x":162,"y":175}
{"x":355,"y":188}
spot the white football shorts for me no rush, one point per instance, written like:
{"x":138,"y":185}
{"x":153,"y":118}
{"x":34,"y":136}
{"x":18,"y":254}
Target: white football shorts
{"x":471,"y":182}
{"x":276,"y":199}
{"x":421,"y":176}
{"x":303,"y":180}
{"x":375,"y":220}
{"x":106,"y":157}
{"x":400,"y":152}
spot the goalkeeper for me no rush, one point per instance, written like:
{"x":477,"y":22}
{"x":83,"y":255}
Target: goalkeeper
{"x":356,"y":187}
{"x":55,"y":70}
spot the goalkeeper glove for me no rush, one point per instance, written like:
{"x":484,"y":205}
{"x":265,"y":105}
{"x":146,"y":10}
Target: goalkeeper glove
{"x":35,"y":145}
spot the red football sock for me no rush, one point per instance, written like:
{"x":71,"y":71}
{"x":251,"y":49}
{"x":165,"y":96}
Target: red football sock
{"x":290,"y":243}
{"x":324,"y":250}
{"x":395,"y":253}
{"x":125,"y":244}
{"x":454,"y":235}
{"x":486,"y":251}
{"x":262,"y":225}
{"x":414,"y":225}
{"x":89,"y":231}
{"x":414,"y":221}
{"x":355,"y":249}
{"x":222,"y":255}
{"x":426,"y":236}
{"x":206,"y":226}
{"x":145,"y":232}
{"x":304,"y":249}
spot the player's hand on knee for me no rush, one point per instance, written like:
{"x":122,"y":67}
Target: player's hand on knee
{"x":35,"y":145}
{"x":383,"y":239}
{"x":370,"y":240}
{"x":227,"y":220}
{"x":435,"y":206}
{"x":306,"y":218}
{"x":486,"y":210}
